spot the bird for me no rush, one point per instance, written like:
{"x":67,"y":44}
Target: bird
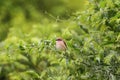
{"x":60,"y":44}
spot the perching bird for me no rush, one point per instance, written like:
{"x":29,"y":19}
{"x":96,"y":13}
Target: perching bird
{"x":60,"y":45}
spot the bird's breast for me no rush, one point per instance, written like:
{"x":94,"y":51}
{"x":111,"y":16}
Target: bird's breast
{"x":60,"y":45}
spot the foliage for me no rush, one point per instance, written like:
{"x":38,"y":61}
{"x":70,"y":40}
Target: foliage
{"x":92,"y":36}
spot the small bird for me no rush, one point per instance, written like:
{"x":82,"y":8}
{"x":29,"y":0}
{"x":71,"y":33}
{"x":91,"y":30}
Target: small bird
{"x":60,"y":44}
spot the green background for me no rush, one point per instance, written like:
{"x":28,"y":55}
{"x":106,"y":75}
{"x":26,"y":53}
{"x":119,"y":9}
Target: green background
{"x":29,"y":28}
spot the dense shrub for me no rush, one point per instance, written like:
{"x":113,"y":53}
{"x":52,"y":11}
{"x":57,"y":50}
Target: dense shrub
{"x":92,"y":37}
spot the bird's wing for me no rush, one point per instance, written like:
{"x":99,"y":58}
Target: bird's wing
{"x":65,"y":44}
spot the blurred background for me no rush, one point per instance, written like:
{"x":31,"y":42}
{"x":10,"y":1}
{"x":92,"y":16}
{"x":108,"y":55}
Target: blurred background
{"x":26,"y":22}
{"x":35,"y":17}
{"x":29,"y":28}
